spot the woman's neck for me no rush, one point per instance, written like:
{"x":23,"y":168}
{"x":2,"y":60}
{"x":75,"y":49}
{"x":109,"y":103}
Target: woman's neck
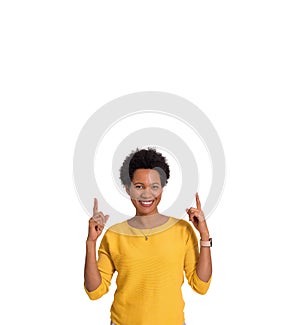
{"x":148,"y":221}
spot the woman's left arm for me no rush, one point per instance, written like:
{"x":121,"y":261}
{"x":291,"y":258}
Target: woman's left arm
{"x":204,"y":264}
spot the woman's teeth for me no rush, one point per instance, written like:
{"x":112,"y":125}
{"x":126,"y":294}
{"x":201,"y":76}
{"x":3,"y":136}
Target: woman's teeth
{"x":146,"y":203}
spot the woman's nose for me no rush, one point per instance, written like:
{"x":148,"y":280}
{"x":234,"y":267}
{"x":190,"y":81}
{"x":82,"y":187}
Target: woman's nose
{"x":147,"y":193}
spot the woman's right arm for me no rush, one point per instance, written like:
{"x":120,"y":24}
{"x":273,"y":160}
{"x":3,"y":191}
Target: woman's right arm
{"x":92,"y":276}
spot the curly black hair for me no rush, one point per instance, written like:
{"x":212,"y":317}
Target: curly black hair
{"x":145,"y":159}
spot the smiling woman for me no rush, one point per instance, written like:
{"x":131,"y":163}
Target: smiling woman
{"x":149,"y":251}
{"x":145,"y":191}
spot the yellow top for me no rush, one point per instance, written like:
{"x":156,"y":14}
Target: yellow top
{"x":150,"y":272}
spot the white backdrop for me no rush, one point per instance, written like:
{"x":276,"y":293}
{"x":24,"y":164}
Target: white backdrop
{"x":238,"y":61}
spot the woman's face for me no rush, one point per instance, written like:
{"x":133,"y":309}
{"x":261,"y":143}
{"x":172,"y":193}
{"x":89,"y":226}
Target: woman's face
{"x":145,"y":191}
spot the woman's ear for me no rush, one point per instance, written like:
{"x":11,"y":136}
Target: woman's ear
{"x":127,"y":189}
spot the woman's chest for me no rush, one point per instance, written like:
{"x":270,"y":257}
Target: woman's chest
{"x":156,"y":251}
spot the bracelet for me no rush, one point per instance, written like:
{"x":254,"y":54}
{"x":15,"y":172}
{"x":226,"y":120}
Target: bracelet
{"x":206,"y":243}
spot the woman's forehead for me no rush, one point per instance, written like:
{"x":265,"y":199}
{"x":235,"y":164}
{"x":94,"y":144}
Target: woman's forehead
{"x":146,"y":176}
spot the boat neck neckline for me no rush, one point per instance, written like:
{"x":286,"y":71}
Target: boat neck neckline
{"x":124,"y":228}
{"x":153,"y":228}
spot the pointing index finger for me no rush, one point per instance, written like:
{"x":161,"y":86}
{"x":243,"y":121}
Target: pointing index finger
{"x":95,"y":208}
{"x":198,"y":203}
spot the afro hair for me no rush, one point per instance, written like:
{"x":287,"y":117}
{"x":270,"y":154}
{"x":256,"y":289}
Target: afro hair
{"x":144,"y":159}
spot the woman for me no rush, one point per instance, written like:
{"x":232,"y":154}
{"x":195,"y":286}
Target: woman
{"x":149,"y":251}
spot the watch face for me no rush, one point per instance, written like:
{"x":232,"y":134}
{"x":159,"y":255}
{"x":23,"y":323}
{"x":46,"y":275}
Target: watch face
{"x":210,"y":239}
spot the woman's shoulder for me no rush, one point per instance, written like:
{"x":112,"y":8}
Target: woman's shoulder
{"x":119,"y":227}
{"x":183,"y":224}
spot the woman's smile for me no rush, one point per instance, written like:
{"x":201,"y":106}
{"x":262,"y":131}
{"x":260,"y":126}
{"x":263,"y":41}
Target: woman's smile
{"x":146,"y":204}
{"x":145,"y":191}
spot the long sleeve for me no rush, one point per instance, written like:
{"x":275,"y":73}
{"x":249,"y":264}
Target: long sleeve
{"x":190,"y":263}
{"x":106,"y":268}
{"x":149,"y":272}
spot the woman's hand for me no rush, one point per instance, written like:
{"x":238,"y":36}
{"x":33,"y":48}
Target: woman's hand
{"x":196,"y":215}
{"x":96,"y":223}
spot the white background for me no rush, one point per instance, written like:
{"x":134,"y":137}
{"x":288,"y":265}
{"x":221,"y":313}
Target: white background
{"x":238,"y":61}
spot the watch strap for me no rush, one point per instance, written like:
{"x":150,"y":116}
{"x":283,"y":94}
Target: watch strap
{"x":206,"y":243}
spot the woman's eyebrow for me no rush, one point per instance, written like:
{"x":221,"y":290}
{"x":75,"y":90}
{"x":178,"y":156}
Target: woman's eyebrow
{"x":156,"y":183}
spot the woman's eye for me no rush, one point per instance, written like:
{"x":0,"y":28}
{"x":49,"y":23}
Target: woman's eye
{"x":138,"y":187}
{"x":155,"y":187}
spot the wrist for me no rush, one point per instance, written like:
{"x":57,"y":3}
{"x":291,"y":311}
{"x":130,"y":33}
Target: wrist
{"x":204,"y":237}
{"x":90,"y":242}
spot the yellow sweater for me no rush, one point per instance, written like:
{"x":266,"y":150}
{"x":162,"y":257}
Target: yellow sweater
{"x":150,"y":272}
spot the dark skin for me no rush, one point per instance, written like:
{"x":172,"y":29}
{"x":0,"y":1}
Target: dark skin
{"x":92,"y":276}
{"x":147,"y":184}
{"x":196,"y":215}
{"x":204,"y":265}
